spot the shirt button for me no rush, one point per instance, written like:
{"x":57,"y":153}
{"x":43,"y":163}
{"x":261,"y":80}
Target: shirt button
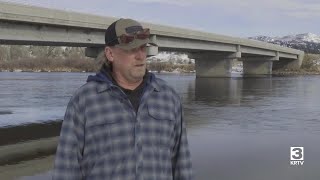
{"x":139,"y":168}
{"x":139,"y":144}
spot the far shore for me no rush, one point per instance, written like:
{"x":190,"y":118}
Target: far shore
{"x":281,"y":72}
{"x":295,"y":72}
{"x":80,"y":71}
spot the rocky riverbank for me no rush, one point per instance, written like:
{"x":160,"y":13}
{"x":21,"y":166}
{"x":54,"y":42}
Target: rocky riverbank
{"x":295,"y":72}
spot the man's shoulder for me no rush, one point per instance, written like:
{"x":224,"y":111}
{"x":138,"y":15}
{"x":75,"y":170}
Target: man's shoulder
{"x":86,"y":90}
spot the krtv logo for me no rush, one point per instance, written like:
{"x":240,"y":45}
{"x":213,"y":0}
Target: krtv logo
{"x":296,"y":156}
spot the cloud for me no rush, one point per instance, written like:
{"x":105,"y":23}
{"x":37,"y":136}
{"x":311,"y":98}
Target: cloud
{"x":294,"y":8}
{"x":173,"y":2}
{"x":302,"y":9}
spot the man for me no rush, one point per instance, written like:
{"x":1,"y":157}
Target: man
{"x":124,"y":123}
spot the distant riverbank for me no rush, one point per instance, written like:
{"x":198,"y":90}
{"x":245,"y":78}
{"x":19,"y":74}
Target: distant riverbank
{"x":49,"y":65}
{"x":310,"y":66}
{"x":177,"y":71}
{"x":82,"y":65}
{"x":295,"y":72}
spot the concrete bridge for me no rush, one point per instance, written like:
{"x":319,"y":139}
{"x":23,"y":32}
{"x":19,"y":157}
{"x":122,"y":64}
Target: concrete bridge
{"x":213,"y":53}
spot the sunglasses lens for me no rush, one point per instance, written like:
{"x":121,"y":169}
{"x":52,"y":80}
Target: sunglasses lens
{"x":144,"y":34}
{"x":125,"y":39}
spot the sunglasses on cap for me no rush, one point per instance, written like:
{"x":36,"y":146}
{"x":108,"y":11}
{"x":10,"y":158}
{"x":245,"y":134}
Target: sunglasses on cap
{"x":128,"y":38}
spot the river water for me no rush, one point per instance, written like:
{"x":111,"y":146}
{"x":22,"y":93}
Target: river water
{"x":238,"y":128}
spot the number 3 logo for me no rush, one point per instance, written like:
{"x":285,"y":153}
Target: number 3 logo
{"x":298,"y":153}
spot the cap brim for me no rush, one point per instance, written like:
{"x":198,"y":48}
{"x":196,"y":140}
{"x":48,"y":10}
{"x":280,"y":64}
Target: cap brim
{"x":152,"y":44}
{"x":135,"y":44}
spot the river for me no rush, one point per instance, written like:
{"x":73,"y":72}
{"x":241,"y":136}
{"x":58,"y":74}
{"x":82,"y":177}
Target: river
{"x":238,"y":128}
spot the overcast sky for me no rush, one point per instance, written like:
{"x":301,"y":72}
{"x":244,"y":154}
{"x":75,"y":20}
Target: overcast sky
{"x":240,"y":18}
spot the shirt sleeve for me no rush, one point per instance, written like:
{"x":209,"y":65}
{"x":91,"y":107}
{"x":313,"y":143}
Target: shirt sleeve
{"x":181,"y":159}
{"x":71,"y":141}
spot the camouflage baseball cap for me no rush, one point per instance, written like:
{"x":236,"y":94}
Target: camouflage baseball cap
{"x":127,"y":34}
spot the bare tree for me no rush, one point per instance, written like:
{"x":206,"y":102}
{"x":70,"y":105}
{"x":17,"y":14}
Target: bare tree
{"x":3,"y":53}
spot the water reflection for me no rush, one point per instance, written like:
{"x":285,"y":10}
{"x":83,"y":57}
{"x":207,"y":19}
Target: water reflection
{"x":256,"y":85}
{"x":218,"y":90}
{"x":223,"y":91}
{"x":256,"y":90}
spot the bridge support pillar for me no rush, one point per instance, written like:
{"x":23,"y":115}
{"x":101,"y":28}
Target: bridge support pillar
{"x":214,"y":65}
{"x":257,"y":67}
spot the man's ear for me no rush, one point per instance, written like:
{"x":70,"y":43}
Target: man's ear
{"x":109,"y":53}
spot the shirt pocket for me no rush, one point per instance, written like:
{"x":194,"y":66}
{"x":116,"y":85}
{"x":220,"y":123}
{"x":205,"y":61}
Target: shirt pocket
{"x":110,"y":132}
{"x":160,"y":126}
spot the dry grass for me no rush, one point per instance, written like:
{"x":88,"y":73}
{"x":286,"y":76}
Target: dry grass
{"x":50,"y":64}
{"x":311,"y":63}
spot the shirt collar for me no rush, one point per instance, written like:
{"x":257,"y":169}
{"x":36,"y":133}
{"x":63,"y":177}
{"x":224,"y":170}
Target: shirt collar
{"x":148,"y":79}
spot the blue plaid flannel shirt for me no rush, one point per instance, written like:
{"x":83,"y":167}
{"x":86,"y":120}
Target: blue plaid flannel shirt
{"x":102,"y":137}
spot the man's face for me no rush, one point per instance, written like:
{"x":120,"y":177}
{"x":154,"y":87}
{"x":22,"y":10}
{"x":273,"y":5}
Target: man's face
{"x":129,"y":64}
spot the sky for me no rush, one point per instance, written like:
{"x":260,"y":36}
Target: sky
{"x":238,"y":18}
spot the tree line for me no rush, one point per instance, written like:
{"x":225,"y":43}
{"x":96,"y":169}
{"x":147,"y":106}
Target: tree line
{"x":73,"y":59}
{"x":68,"y":59}
{"x":44,"y":58}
